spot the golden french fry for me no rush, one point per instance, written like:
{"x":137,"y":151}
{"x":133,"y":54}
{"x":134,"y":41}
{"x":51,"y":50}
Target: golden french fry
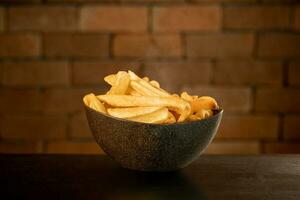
{"x":121,"y":84}
{"x":146,"y":79}
{"x":171,"y":119}
{"x":110,"y":79}
{"x":194,"y":118}
{"x":134,"y":93}
{"x":154,"y":83}
{"x":186,"y":96}
{"x":133,"y":76}
{"x":155,"y":117}
{"x":204,"y":102}
{"x":176,"y":104}
{"x":202,"y":114}
{"x":93,"y":102}
{"x":141,"y":89}
{"x":158,"y":92}
{"x":131,"y":112}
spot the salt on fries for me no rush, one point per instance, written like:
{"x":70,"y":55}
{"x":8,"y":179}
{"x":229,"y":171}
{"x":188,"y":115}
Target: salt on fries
{"x":141,"y":99}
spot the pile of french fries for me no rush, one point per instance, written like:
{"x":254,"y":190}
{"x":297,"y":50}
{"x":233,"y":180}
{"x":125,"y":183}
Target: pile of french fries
{"x":143,"y":100}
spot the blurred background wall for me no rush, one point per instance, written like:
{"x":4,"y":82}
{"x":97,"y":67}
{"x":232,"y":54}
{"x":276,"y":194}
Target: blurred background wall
{"x":245,"y":53}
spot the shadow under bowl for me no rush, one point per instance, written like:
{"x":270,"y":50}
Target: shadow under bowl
{"x":152,"y":147}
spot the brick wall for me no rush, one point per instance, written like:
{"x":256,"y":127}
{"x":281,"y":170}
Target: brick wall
{"x":245,"y":53}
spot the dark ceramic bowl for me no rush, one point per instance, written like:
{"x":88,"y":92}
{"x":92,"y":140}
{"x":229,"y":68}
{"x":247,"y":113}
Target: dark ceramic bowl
{"x":152,"y":147}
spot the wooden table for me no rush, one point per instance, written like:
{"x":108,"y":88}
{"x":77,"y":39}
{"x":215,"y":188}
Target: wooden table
{"x":98,"y":177}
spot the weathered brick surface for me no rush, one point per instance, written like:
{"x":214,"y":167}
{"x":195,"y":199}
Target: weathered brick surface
{"x":291,"y":127}
{"x":286,"y":148}
{"x":117,"y":1}
{"x":21,"y":147}
{"x":171,"y":75}
{"x":187,"y":18}
{"x":92,"y":72}
{"x":297,"y":18}
{"x":43,"y":18}
{"x":294,"y":74}
{"x":245,"y":53}
{"x":231,"y":99}
{"x":277,"y":100}
{"x":76,"y":45}
{"x":2,"y":18}
{"x":35,"y":73}
{"x":56,"y":101}
{"x":145,"y":45}
{"x":256,"y":17}
{"x":233,"y":147}
{"x":249,"y":127}
{"x":73,"y":147}
{"x":79,"y":127}
{"x":282,"y":45}
{"x":226,"y":45}
{"x":248,"y":72}
{"x":114,"y":18}
{"x":19,"y":45}
{"x":34,"y":127}
{"x":224,"y":1}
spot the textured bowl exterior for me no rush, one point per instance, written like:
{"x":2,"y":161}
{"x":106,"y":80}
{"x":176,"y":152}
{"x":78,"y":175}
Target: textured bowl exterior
{"x":152,"y":147}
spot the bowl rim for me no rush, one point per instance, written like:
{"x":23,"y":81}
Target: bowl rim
{"x":219,"y":112}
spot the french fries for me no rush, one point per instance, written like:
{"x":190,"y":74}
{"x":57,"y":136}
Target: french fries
{"x":120,"y":84}
{"x":143,"y":100}
{"x":176,"y":104}
{"x":91,"y":101}
{"x":131,"y":112}
{"x":155,"y":117}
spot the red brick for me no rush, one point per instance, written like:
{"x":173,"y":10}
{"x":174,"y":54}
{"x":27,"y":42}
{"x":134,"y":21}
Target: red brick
{"x":278,"y":100}
{"x":20,"y":147}
{"x":294,"y":73}
{"x":116,"y":1}
{"x":231,"y":99}
{"x":249,"y":127}
{"x":18,"y":100}
{"x":72,"y":147}
{"x":187,"y":18}
{"x":279,"y":45}
{"x":93,"y":72}
{"x":248,"y":73}
{"x":35,"y":73}
{"x":282,"y":148}
{"x":79,"y":127}
{"x":291,"y":127}
{"x":20,"y":1}
{"x":19,"y":45}
{"x":53,"y":101}
{"x":114,"y":18}
{"x":2,"y":19}
{"x":225,"y":1}
{"x":34,"y":127}
{"x":43,"y":18}
{"x":171,"y":75}
{"x":297,"y":18}
{"x":143,"y":45}
{"x":64,"y":100}
{"x":76,"y":45}
{"x":279,"y":1}
{"x":233,"y":147}
{"x":226,"y":45}
{"x":256,"y":17}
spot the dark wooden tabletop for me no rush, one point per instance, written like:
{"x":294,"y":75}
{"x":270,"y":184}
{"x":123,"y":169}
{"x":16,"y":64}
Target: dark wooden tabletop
{"x":98,"y":177}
